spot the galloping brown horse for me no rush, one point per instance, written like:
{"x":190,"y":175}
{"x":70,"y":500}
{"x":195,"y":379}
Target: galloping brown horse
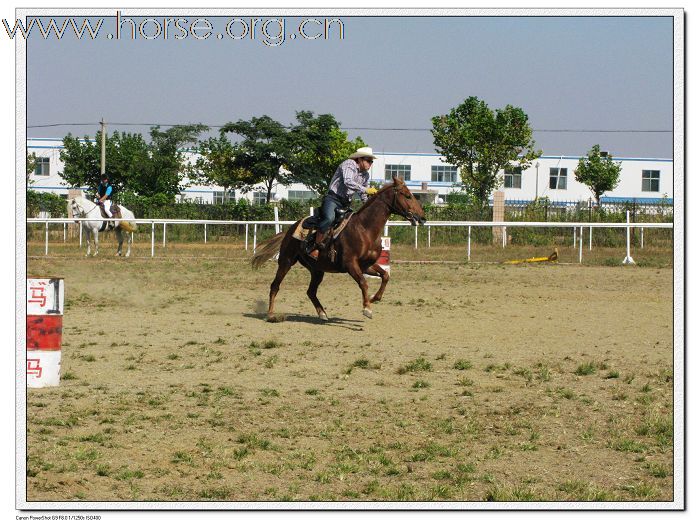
{"x":357,"y":248}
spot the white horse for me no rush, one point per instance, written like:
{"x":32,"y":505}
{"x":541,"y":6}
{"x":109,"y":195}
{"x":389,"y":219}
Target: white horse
{"x":82,"y":207}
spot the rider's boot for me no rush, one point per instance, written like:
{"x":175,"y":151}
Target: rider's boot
{"x":318,"y":244}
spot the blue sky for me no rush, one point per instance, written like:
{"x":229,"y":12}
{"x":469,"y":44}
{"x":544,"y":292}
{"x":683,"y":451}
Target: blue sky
{"x":567,"y":73}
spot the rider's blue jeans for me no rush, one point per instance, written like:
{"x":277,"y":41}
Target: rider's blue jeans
{"x":329,"y":205}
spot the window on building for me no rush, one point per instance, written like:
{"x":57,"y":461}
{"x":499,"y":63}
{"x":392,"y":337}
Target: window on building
{"x":42,"y":166}
{"x":224,"y":197}
{"x":443,"y":174}
{"x":557,"y":178}
{"x":513,"y":177}
{"x":259,"y":198}
{"x":650,"y":180}
{"x":402,"y":171}
{"x":301,"y":195}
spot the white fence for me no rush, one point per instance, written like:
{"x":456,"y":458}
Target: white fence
{"x":577,"y":229}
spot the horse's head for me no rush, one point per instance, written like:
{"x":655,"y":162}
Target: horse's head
{"x":405,"y":204}
{"x":76,"y":208}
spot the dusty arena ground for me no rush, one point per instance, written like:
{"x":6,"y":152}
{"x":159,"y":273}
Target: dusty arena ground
{"x":473,"y":382}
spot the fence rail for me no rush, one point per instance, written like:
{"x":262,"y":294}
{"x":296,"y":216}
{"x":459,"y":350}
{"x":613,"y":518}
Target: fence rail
{"x":577,"y":228}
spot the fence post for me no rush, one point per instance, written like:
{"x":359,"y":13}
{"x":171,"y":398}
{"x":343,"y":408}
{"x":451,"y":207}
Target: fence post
{"x":590,"y":238}
{"x":46,"y":246}
{"x":428,"y":236}
{"x":641,"y":238}
{"x":574,"y":237}
{"x":80,"y":229}
{"x":205,"y":233}
{"x":416,"y":236}
{"x":580,"y":245}
{"x":628,"y":259}
{"x":277,"y":218}
{"x":255,"y":237}
{"x":64,"y":232}
{"x":164,"y":224}
{"x":469,"y":244}
{"x":246,"y":237}
{"x":153,"y":238}
{"x":386,"y":230}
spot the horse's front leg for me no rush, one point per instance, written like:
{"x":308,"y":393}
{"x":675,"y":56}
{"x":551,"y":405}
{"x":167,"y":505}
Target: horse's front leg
{"x":356,"y":272}
{"x":316,"y":279}
{"x":129,"y":239}
{"x":96,"y":237}
{"x":88,"y":242}
{"x":377,"y":270}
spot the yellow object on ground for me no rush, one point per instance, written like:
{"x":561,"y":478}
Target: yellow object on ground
{"x":552,"y":258}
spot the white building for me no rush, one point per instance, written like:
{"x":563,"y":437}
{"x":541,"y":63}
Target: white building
{"x":642,"y":180}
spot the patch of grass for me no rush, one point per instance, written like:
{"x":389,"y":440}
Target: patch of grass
{"x":182,"y":457}
{"x":612,"y":374}
{"x":419,"y":364}
{"x":657,"y":470}
{"x":69,"y":375}
{"x":127,"y":474}
{"x":641,"y":490}
{"x":585,"y":369}
{"x":311,"y":392}
{"x":543,"y":373}
{"x":463,"y":365}
{"x":516,"y":494}
{"x":584,"y":491}
{"x":421,"y":384}
{"x":628,"y":445}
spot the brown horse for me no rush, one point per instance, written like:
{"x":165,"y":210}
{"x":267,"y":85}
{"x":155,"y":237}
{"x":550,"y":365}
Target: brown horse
{"x":357,"y":248}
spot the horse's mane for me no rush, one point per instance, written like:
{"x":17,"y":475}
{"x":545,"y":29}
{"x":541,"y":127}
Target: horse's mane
{"x":372,"y":198}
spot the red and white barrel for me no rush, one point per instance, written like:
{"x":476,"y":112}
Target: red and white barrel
{"x":44,"y":331}
{"x":384,"y":259}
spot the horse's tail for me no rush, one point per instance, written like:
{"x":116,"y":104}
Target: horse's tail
{"x":267,"y":250}
{"x":127,"y":227}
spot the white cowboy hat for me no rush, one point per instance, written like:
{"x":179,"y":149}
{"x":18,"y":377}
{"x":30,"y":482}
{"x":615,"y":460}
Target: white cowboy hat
{"x":363,"y":152}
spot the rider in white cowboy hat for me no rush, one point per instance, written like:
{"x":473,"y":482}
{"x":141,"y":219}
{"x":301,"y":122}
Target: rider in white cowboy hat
{"x":352,"y":176}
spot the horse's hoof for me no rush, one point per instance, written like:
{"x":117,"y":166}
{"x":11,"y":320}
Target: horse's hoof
{"x":323,"y":316}
{"x":367,"y":313}
{"x":374,"y":299}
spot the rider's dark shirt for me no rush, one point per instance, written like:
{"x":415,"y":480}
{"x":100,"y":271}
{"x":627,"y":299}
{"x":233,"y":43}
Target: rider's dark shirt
{"x":103,"y":190}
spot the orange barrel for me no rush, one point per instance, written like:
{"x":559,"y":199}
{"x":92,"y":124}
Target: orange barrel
{"x":44,"y":331}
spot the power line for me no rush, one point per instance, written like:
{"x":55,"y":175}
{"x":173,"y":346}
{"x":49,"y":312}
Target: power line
{"x":366,"y":128}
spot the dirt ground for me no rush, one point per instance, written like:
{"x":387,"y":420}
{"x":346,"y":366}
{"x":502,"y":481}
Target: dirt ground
{"x":472,"y":382}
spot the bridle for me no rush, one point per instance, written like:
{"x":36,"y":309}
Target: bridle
{"x":394,"y":209}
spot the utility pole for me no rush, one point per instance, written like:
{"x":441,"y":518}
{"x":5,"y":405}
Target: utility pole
{"x":103,"y":129}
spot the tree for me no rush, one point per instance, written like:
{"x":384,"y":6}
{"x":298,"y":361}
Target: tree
{"x":318,"y":146}
{"x":598,"y":172}
{"x":481,"y":142}
{"x":264,"y":150}
{"x":133,"y":165}
{"x":217,"y":165}
{"x":31,"y":166}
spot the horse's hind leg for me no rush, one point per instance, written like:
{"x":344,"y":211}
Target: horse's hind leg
{"x":283,"y":266}
{"x":129,"y":239}
{"x":377,"y":270}
{"x":316,"y":279}
{"x":120,"y":239}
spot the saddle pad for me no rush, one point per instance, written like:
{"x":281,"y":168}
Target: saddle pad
{"x":302,"y":233}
